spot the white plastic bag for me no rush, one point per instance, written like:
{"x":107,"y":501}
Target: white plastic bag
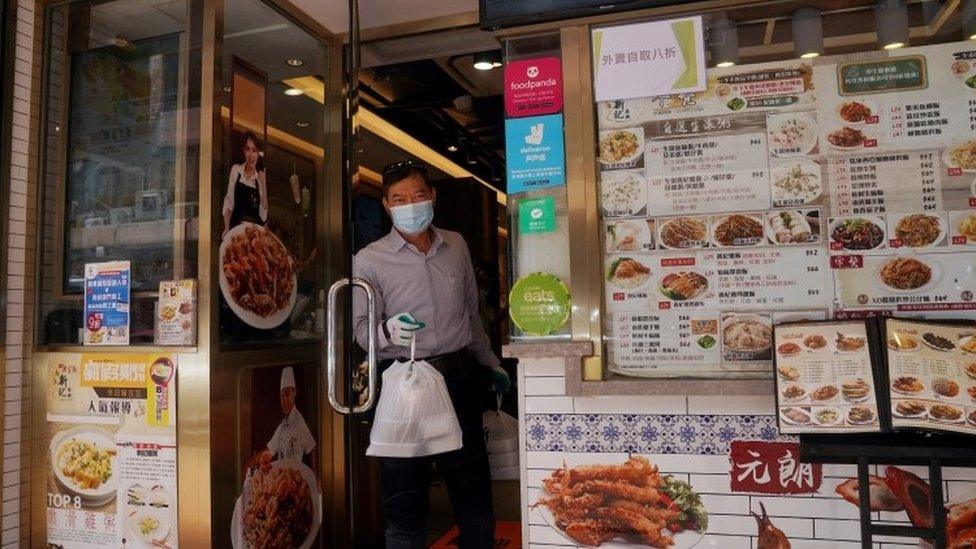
{"x":501,"y":438}
{"x":414,"y":416}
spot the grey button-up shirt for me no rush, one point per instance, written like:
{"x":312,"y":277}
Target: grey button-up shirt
{"x":438,"y":289}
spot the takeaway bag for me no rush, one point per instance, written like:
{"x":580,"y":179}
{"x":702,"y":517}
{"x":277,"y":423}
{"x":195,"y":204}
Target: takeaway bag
{"x":414,"y":416}
{"x":501,"y":439}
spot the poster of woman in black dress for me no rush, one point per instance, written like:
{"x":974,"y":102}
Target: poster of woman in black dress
{"x":247,"y":188}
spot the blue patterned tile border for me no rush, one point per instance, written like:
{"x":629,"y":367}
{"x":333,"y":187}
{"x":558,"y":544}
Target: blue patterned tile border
{"x":649,"y":434}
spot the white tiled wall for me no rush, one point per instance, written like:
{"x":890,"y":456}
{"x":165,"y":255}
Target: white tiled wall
{"x":813,"y":521}
{"x":19,"y":311}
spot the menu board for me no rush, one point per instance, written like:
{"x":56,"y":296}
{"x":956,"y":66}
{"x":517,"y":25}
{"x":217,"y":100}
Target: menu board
{"x":111,"y":452}
{"x":932,"y":375}
{"x":840,"y":187}
{"x":825,"y":382}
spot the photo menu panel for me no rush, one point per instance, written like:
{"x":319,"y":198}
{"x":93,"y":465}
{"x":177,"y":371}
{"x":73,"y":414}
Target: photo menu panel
{"x":825,"y":382}
{"x":932,"y":375}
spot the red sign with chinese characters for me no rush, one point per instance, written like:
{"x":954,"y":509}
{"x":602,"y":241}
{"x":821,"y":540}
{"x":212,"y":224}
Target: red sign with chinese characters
{"x":533,"y":87}
{"x":772,"y":468}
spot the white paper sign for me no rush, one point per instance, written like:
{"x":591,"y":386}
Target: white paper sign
{"x":649,"y":59}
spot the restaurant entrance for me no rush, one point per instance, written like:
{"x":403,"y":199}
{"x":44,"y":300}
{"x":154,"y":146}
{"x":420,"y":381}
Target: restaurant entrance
{"x":197,"y":211}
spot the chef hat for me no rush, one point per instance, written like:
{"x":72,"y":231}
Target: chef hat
{"x":287,"y":378}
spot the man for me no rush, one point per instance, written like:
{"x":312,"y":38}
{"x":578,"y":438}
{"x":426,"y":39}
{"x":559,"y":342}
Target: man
{"x":426,"y":289}
{"x":292,"y":439}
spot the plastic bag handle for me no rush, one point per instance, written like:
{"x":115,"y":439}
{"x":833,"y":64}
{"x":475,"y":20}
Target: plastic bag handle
{"x":413,"y":348}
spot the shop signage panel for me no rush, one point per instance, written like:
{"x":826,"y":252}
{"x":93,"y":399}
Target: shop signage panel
{"x":533,"y":87}
{"x":649,"y":59}
{"x":107,"y":288}
{"x":535,"y":154}
{"x":111,"y":447}
{"x":767,"y":467}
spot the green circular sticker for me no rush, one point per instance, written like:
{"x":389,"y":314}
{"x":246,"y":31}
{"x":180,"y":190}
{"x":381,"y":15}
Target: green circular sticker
{"x":539,"y":304}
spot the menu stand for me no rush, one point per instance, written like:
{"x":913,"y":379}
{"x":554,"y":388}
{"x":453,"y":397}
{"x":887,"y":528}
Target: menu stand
{"x":934,"y":450}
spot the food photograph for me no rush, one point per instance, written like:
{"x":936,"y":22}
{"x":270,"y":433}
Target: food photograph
{"x":621,"y":148}
{"x":623,"y":193}
{"x":737,"y":230}
{"x":793,"y":226}
{"x":629,"y":505}
{"x":791,"y":134}
{"x":857,"y":233}
{"x":917,"y":230}
{"x":683,"y":233}
{"x":280,"y":508}
{"x":257,"y":276}
{"x":796,"y":182}
{"x":746,"y":336}
{"x":683,"y":285}
{"x":631,"y":235}
{"x":626,"y":273}
{"x":84,"y":465}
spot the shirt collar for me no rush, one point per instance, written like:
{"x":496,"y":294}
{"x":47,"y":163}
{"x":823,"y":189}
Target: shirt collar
{"x":291,"y":416}
{"x":397,"y":242}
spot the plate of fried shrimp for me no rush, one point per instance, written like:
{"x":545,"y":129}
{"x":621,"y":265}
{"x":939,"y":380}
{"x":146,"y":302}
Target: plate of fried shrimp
{"x":626,"y":505}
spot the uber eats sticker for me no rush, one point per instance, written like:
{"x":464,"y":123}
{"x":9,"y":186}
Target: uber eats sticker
{"x":539,"y":304}
{"x":537,"y":215}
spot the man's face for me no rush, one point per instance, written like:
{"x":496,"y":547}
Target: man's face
{"x":409,"y":190}
{"x":287,"y":400}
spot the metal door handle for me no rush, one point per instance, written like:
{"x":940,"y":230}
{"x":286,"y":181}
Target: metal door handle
{"x":330,"y":342}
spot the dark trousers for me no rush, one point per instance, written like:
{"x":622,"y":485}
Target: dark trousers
{"x":406,"y":481}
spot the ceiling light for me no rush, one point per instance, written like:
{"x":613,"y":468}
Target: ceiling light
{"x":807,"y":33}
{"x":294,"y":62}
{"x":968,"y":14}
{"x":293,"y":91}
{"x":487,"y":60}
{"x":452,"y":148}
{"x":891,"y":23}
{"x":724,"y":42}
{"x":302,"y":124}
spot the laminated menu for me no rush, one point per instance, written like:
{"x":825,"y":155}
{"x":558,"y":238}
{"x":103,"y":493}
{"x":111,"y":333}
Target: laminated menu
{"x":825,"y":379}
{"x":932,"y":375}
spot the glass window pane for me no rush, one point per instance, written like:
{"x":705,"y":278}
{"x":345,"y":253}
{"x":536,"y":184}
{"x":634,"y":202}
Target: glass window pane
{"x":119,"y":157}
{"x":273,"y":155}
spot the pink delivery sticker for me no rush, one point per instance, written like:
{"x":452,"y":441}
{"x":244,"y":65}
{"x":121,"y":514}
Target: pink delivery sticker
{"x":533,"y":87}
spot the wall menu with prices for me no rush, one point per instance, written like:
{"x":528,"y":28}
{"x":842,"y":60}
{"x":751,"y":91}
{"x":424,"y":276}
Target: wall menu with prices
{"x":794,"y":190}
{"x":111,"y":452}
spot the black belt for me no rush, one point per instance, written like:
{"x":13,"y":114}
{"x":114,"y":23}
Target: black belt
{"x":443,"y":363}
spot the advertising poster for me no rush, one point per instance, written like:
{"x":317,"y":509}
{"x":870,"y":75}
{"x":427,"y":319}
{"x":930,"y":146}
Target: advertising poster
{"x":176,"y":317}
{"x":267,"y":239}
{"x":535,"y":153}
{"x":786,"y":191}
{"x":107,"y":294}
{"x":111,"y":433}
{"x":280,"y":502}
{"x":648,"y":59}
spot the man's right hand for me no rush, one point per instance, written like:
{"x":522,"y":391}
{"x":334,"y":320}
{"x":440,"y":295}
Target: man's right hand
{"x":400,"y":329}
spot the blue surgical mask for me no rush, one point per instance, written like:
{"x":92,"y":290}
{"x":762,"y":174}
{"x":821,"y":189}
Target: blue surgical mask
{"x":413,"y":219}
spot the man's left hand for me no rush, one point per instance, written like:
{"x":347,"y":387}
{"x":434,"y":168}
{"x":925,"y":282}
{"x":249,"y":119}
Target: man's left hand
{"x":500,"y":380}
